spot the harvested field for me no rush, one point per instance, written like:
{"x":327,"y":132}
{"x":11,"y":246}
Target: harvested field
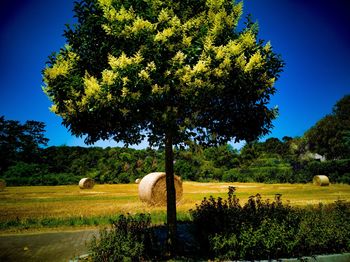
{"x":40,"y":202}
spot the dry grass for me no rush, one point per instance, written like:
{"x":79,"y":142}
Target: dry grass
{"x":70,"y":201}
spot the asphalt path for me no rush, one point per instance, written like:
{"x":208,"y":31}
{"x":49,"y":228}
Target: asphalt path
{"x":69,"y":245}
{"x":48,"y":247}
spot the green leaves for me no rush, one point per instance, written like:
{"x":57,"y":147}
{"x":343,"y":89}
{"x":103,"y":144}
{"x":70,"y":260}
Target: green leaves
{"x":150,"y":66}
{"x":262,"y":229}
{"x":129,"y":239}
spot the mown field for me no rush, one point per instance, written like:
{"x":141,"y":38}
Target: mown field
{"x":22,"y":207}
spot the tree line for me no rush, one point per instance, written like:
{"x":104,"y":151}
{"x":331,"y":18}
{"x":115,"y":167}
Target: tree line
{"x":25,"y":158}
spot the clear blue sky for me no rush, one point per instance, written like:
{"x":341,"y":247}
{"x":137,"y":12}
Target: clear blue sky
{"x":313,"y":37}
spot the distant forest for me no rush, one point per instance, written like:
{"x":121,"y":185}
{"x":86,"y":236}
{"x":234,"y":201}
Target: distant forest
{"x":324,"y":149}
{"x":273,"y":161}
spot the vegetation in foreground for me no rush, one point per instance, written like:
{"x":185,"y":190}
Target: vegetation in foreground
{"x":223,"y":229}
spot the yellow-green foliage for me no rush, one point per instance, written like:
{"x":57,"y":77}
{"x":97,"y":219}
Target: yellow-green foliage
{"x":202,"y":53}
{"x":62,"y":66}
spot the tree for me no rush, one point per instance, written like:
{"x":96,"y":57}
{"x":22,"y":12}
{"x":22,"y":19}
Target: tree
{"x":20,"y":142}
{"x":330,"y":136}
{"x":222,"y":157}
{"x":171,"y":71}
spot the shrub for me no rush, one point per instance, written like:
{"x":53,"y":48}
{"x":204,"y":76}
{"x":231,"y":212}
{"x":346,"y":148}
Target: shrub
{"x":345,"y":179}
{"x":229,"y":217}
{"x":123,"y":178}
{"x":336,"y":170}
{"x":222,"y":229}
{"x":264,"y":230}
{"x":278,"y":173}
{"x":264,"y":241}
{"x":187,"y":169}
{"x":129,"y":239}
{"x":22,"y":173}
{"x":324,"y":229}
{"x":238,"y":175}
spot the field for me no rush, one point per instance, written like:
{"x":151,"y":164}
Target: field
{"x":64,"y":203}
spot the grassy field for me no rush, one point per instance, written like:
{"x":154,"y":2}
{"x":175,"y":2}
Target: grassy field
{"x":49,"y":203}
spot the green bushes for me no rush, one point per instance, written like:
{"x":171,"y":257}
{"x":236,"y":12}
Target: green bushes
{"x":336,"y":170}
{"x":276,"y":170}
{"x":187,"y":169}
{"x":265,"y":230}
{"x":265,"y":241}
{"x":24,"y":174}
{"x":67,"y":165}
{"x":223,"y":229}
{"x":260,"y":174}
{"x":130,"y":239}
{"x":325,"y":229}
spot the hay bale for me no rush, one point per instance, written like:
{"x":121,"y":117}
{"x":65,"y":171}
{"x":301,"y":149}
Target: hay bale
{"x":86,"y":183}
{"x":320,"y":181}
{"x":2,"y":184}
{"x":137,"y":181}
{"x":152,"y":189}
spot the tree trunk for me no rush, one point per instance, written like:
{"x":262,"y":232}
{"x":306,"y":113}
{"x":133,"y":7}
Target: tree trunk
{"x":171,"y":194}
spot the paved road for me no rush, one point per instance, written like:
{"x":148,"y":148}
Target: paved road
{"x":67,"y":245}
{"x":45,"y":247}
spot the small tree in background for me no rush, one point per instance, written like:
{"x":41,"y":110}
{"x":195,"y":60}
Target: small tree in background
{"x":171,"y":71}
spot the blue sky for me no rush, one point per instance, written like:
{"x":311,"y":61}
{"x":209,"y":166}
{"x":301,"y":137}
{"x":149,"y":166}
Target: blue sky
{"x":313,"y":37}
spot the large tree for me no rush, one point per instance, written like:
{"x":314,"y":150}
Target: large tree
{"x":330,"y":136}
{"x":168,"y":71}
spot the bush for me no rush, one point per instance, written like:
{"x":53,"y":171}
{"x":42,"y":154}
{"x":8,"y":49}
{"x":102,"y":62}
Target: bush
{"x":324,"y":229}
{"x":345,"y":179}
{"x":24,"y":174}
{"x":264,"y":230}
{"x":129,"y":239}
{"x":123,"y":178}
{"x":336,"y":170}
{"x":29,"y":174}
{"x":222,"y":229}
{"x":187,"y":169}
{"x":267,"y":174}
{"x":265,"y":241}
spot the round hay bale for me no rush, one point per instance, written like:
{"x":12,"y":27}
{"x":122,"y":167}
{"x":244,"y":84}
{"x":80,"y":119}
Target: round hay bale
{"x":320,"y":181}
{"x":152,"y":189}
{"x":2,"y":184}
{"x":137,"y":181}
{"x":86,"y":183}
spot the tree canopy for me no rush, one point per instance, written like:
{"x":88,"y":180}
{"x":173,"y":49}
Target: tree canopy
{"x":132,"y":69}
